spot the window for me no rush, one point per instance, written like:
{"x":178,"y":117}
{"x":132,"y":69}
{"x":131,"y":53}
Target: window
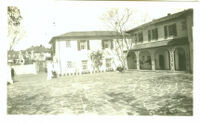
{"x":108,"y":63}
{"x":140,"y":37}
{"x":107,"y":44}
{"x":155,"y":34}
{"x":183,"y":25}
{"x":69,"y":64}
{"x":165,"y":30}
{"x":84,"y":64}
{"x":83,"y":45}
{"x":149,"y":35}
{"x":170,"y":30}
{"x":135,"y":37}
{"x":67,"y":44}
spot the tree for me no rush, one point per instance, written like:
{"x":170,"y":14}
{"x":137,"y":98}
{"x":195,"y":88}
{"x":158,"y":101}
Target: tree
{"x":96,"y":57}
{"x":117,"y":20}
{"x":15,"y":31}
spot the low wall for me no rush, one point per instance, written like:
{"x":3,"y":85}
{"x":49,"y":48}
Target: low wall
{"x":25,"y":69}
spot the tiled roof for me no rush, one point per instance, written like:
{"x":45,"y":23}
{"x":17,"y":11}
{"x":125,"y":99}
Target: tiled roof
{"x":87,"y":34}
{"x":90,"y":33}
{"x":169,"y":42}
{"x":163,"y":19}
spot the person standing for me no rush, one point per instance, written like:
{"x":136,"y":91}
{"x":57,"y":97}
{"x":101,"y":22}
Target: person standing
{"x":9,"y":77}
{"x":12,"y":73}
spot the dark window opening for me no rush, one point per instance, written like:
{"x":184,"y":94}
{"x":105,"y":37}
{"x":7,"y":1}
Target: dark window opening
{"x":149,"y":35}
{"x":172,"y":30}
{"x":155,"y":34}
{"x":140,"y":37}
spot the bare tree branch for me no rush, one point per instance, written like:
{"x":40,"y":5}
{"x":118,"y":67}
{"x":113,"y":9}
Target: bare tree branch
{"x":117,"y":19}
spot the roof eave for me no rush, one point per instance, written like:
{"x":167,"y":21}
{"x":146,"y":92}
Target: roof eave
{"x":162,"y":19}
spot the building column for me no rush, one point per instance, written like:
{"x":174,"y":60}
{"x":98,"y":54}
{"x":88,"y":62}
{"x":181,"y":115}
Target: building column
{"x":187,"y":58}
{"x":189,"y":21}
{"x":137,"y":53}
{"x":172,"y":60}
{"x":153,"y":64}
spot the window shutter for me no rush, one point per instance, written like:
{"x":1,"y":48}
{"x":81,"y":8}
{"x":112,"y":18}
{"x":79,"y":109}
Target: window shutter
{"x":156,"y":31}
{"x":136,"y":38}
{"x":78,"y":45}
{"x":102,"y":42}
{"x":165,"y":30}
{"x":149,"y":35}
{"x":111,"y":41}
{"x":88,"y":44}
{"x":174,"y":30}
{"x":141,"y":36}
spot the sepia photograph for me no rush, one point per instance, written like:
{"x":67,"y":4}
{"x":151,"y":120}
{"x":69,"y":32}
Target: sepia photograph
{"x":98,"y":59}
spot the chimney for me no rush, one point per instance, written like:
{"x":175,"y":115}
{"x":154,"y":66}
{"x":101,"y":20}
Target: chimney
{"x":168,"y":14}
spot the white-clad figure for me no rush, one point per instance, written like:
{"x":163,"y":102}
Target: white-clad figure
{"x":9,"y":76}
{"x":49,"y":70}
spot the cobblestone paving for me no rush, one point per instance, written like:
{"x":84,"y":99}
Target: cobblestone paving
{"x":111,"y":93}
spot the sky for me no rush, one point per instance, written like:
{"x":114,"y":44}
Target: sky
{"x":43,"y":21}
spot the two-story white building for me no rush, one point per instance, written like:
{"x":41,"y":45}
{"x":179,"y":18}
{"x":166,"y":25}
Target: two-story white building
{"x":163,"y":44}
{"x":71,"y":51}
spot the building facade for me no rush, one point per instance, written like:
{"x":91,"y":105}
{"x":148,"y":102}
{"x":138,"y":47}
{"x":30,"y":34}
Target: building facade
{"x":71,"y":51}
{"x":163,"y":44}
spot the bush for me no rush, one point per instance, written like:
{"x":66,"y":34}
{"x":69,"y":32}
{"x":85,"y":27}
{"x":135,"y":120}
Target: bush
{"x":120,"y":69}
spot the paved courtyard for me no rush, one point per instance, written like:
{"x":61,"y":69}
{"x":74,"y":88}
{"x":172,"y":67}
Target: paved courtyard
{"x":111,"y":93}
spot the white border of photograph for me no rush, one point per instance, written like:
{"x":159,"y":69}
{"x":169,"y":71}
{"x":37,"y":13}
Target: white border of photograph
{"x":63,"y":118}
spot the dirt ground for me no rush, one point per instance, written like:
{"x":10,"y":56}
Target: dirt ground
{"x":110,"y":93}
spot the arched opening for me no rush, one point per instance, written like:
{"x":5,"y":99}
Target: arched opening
{"x":180,"y":59}
{"x":161,"y":62}
{"x":131,"y":60}
{"x":145,"y":60}
{"x":162,"y":59}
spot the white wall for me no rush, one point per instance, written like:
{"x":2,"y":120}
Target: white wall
{"x":64,"y":54}
{"x":25,"y":69}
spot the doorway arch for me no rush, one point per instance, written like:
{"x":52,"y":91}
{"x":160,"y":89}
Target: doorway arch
{"x":145,"y":60}
{"x":131,"y":60}
{"x":180,"y":59}
{"x":162,"y":59}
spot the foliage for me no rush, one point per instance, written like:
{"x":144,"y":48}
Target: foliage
{"x":120,"y":69}
{"x":15,"y":31}
{"x":96,"y":57}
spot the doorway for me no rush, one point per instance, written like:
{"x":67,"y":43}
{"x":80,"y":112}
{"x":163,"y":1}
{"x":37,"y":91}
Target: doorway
{"x":161,"y":62}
